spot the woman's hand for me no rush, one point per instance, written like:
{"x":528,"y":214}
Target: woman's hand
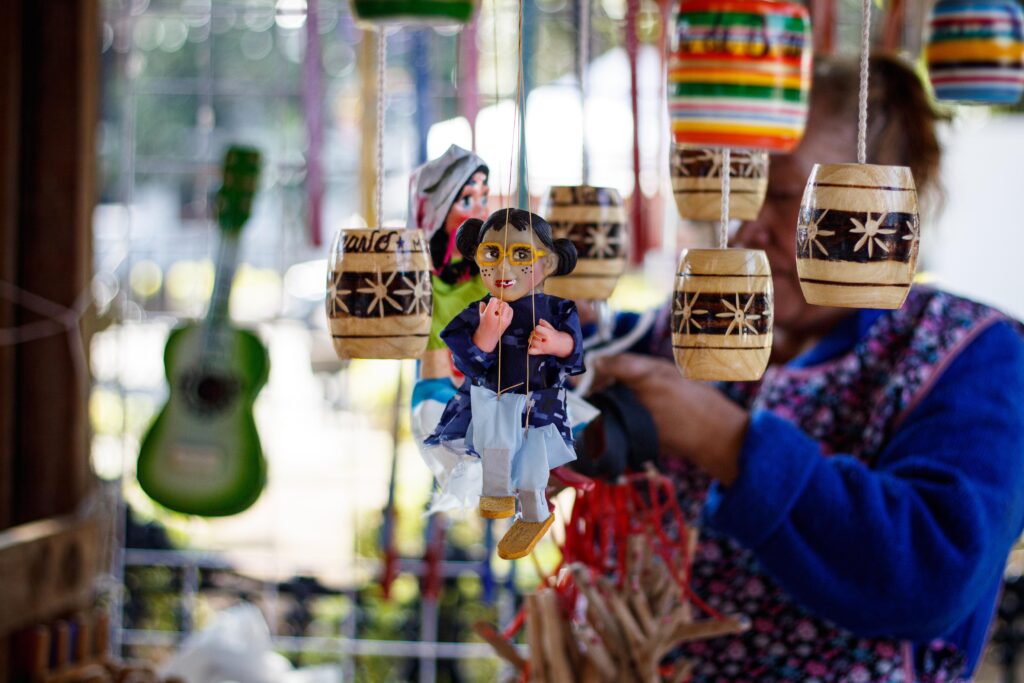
{"x":694,"y":420}
{"x":547,"y":341}
{"x":495,"y":317}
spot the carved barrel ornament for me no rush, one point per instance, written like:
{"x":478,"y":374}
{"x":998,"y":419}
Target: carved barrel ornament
{"x":594,"y":218}
{"x":379,"y":293}
{"x":858,"y":235}
{"x":722,"y":314}
{"x":697,"y":182}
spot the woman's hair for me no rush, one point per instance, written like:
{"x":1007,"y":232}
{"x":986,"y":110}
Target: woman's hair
{"x":471,"y":234}
{"x":901,"y":118}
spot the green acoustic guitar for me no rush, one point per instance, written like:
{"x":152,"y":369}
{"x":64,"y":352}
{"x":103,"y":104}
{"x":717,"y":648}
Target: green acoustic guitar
{"x":202,"y":454}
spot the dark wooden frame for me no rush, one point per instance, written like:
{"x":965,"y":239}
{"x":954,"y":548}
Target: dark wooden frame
{"x":49,"y":82}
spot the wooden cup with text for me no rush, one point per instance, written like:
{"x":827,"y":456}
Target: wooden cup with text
{"x":379,"y":295}
{"x":858,"y":236}
{"x":722,"y":314}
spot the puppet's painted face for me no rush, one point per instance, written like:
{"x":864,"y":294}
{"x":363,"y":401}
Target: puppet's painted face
{"x":513,"y":262}
{"x":471,"y":203}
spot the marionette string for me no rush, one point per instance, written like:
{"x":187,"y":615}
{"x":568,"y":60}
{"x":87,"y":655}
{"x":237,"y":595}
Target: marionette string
{"x":382,"y":65}
{"x":582,"y":67}
{"x":862,"y":112}
{"x":723,"y":227}
{"x":517,"y":141}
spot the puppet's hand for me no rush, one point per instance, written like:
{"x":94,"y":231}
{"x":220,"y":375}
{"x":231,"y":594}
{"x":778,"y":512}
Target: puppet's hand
{"x":495,"y":318}
{"x":547,"y":341}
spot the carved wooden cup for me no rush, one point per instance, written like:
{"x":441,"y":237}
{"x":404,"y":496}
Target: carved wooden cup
{"x":697,"y":182}
{"x":594,"y":218}
{"x":378,"y":293}
{"x":858,"y":235}
{"x":722,"y":314}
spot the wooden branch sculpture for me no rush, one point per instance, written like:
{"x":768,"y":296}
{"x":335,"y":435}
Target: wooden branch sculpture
{"x":625,"y":632}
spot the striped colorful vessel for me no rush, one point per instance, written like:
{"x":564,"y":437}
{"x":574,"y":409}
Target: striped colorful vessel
{"x":975,"y":51}
{"x":740,"y":74}
{"x":414,"y":12}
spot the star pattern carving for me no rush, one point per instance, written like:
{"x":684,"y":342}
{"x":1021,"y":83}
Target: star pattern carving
{"x":419,"y":289}
{"x":601,"y":242}
{"x":750,"y":165}
{"x":338,"y":294}
{"x":679,"y":167}
{"x":742,"y":319}
{"x":379,"y":290}
{"x":685,"y":313}
{"x":560,"y":231}
{"x":871,"y":229}
{"x":813,"y":232}
{"x":914,"y":233}
{"x":715,"y":157}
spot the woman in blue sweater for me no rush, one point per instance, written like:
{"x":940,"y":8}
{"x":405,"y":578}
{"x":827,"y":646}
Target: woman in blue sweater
{"x":859,"y":502}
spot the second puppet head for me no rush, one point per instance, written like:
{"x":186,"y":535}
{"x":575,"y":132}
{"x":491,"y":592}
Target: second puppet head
{"x":514,"y":251}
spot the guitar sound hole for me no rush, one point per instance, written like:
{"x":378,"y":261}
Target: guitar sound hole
{"x":208,"y":394}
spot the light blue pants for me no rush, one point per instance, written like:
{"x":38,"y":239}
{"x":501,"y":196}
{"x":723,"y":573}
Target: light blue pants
{"x":514,"y":459}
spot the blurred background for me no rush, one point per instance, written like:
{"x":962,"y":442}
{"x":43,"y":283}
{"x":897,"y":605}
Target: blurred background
{"x":179,"y":80}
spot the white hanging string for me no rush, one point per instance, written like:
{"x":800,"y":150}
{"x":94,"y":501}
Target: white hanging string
{"x":584,"y":63}
{"x":862,"y":120}
{"x":723,"y":227}
{"x":382,"y":63}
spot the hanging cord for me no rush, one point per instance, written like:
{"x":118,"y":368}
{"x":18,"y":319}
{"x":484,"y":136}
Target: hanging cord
{"x":508,"y":209}
{"x":862,"y":120}
{"x":723,"y":227}
{"x":525,"y":172}
{"x":382,"y":65}
{"x":582,"y":68}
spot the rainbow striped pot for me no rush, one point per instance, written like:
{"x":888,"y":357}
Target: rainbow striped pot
{"x":975,"y":51}
{"x":740,"y":74}
{"x":414,"y":12}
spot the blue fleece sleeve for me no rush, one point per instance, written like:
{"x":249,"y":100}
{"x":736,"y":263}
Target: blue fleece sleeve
{"x":911,"y":547}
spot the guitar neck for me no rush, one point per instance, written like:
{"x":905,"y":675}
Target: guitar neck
{"x":218,"y":312}
{"x":234,"y":204}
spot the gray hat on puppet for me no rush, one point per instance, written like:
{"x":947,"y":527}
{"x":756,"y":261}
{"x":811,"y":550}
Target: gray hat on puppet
{"x":434,"y":189}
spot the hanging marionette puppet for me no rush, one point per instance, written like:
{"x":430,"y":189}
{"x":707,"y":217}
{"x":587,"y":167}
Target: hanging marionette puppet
{"x":516,"y":347}
{"x":443,"y":193}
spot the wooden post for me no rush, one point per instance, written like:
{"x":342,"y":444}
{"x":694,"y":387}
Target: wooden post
{"x":10,"y":98}
{"x":59,"y":77}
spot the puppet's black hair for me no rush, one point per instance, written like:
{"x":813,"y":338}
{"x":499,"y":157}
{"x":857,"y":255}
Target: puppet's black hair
{"x":472,"y":231}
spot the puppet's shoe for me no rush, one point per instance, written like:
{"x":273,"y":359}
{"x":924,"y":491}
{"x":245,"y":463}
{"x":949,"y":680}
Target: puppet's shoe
{"x":520,"y":539}
{"x":497,"y":507}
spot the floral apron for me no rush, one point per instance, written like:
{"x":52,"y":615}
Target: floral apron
{"x":850,"y":404}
